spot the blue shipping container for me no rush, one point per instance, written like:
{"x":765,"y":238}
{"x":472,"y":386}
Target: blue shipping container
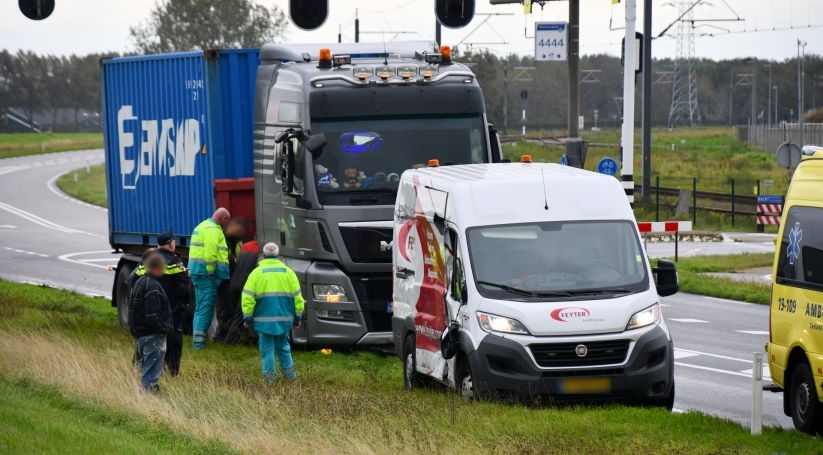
{"x":174,"y":123}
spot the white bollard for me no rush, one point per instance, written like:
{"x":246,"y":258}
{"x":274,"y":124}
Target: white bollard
{"x":757,"y":394}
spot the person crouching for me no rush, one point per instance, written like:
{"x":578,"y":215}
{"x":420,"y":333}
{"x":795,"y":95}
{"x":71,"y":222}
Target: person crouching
{"x":150,"y":320}
{"x":273,"y":303}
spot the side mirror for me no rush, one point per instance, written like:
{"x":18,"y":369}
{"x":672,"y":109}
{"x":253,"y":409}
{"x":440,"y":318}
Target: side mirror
{"x":315,"y":143}
{"x":454,"y":13}
{"x":287,"y":165}
{"x":464,"y":293}
{"x":308,"y":14}
{"x":450,"y":341}
{"x":666,"y":272}
{"x":439,"y":223}
{"x":494,"y":141}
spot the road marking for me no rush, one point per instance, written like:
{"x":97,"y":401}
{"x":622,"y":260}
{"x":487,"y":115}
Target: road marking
{"x":678,"y":354}
{"x":717,"y":299}
{"x":714,"y":370}
{"x":52,"y":186}
{"x":7,"y":226}
{"x":37,"y":220}
{"x":753,"y":332}
{"x":717,"y":356}
{"x":688,"y":320}
{"x":70,"y":257}
{"x":767,"y":375}
{"x":32,"y":253}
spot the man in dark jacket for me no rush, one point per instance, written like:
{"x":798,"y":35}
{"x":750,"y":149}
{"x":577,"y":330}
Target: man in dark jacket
{"x":150,"y":320}
{"x":177,"y":285}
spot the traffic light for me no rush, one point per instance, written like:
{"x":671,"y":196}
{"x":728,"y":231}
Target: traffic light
{"x":308,"y":14}
{"x":36,"y":9}
{"x":454,"y":13}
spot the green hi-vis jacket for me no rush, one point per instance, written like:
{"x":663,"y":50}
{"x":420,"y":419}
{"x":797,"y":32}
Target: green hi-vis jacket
{"x":271,"y":298}
{"x":208,"y":253}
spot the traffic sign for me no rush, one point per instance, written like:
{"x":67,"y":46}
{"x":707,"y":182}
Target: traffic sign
{"x":788,"y":155}
{"x":607,"y":165}
{"x":550,"y":41}
{"x":564,"y":160}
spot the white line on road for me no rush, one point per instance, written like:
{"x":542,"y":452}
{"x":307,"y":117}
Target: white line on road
{"x":714,"y":370}
{"x":717,"y":299}
{"x":688,"y":320}
{"x":70,"y":258}
{"x":753,"y":332}
{"x":7,"y":226}
{"x":717,"y":356}
{"x":37,"y":220}
{"x":32,"y":253}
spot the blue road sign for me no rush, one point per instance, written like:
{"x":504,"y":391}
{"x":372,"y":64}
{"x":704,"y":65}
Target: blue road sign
{"x":607,"y":165}
{"x":564,"y":161}
{"x":767,"y":199}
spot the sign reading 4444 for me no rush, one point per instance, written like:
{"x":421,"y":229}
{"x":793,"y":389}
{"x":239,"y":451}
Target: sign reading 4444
{"x":550,"y":39}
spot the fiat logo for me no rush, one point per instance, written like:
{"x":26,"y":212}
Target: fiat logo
{"x":581,"y":350}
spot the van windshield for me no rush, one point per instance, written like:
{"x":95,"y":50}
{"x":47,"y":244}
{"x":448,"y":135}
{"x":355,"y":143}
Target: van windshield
{"x":365,"y":156}
{"x":595,"y":259}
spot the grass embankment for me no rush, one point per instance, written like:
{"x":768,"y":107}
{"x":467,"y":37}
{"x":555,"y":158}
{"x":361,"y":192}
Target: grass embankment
{"x":87,"y":186}
{"x":693,"y":279}
{"x":23,"y":144}
{"x":352,"y":403}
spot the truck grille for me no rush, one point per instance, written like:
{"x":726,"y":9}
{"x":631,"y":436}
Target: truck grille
{"x":374,"y":295}
{"x":363,"y":244}
{"x":564,"y":355}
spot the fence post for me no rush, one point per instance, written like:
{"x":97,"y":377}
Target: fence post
{"x":760,"y":227}
{"x":732,"y":202}
{"x":694,"y":201}
{"x":657,"y":199}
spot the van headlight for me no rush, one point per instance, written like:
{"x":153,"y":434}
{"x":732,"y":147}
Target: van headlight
{"x":330,"y":293}
{"x":642,"y":318}
{"x":494,"y":323}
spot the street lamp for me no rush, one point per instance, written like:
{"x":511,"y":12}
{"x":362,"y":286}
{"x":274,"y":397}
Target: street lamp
{"x":776,"y":120}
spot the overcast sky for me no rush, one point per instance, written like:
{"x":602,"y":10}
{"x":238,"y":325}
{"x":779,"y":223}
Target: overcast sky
{"x":84,"y":26}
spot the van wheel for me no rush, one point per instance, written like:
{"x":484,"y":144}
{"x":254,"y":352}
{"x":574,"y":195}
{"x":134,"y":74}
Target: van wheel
{"x":123,"y":292}
{"x":411,"y":378}
{"x":464,"y":381}
{"x":806,"y":410}
{"x":666,"y":402}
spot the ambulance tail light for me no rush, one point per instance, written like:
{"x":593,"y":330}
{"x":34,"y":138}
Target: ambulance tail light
{"x":325,"y":58}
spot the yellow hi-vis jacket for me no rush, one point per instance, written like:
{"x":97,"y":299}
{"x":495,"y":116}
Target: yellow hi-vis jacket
{"x":208,"y":253}
{"x":271,"y":298}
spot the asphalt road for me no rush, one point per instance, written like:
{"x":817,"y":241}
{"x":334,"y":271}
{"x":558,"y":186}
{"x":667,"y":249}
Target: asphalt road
{"x":46,"y":237}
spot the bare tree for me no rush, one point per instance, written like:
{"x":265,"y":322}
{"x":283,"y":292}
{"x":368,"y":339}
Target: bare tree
{"x":181,"y":25}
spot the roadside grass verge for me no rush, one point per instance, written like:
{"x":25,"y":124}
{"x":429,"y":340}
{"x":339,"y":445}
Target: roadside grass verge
{"x":87,"y":186}
{"x":693,"y":279}
{"x":38,"y":419}
{"x":344,"y":402}
{"x":24,"y":144}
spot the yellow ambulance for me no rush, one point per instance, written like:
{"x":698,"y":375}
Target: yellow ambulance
{"x":795,"y":348}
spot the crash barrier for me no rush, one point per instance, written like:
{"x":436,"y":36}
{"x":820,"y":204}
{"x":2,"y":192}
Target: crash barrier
{"x":675,"y":227}
{"x":769,"y":210}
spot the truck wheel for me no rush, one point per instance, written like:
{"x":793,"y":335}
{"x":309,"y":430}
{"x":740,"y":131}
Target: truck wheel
{"x":411,"y":378}
{"x":123,"y":292}
{"x":464,"y":381}
{"x":806,"y":410}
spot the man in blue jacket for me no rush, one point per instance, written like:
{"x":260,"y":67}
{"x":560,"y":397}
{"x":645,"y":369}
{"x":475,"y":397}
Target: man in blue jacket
{"x":273,"y":303}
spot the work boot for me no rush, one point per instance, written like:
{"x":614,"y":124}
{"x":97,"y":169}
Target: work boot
{"x":198,"y":346}
{"x":270,"y":377}
{"x":289,"y":374}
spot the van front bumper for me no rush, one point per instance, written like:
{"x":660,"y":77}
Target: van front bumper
{"x":502,"y":368}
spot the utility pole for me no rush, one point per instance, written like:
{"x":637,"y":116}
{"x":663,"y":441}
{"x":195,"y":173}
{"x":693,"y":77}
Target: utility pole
{"x":800,"y":69}
{"x":754,"y":93}
{"x":627,"y":139}
{"x":770,"y":96}
{"x":506,"y":96}
{"x":574,"y":147}
{"x":647,"y":99}
{"x":356,"y":27}
{"x":731,"y":96}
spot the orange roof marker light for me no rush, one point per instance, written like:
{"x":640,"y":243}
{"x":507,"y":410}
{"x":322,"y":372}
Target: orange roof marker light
{"x":434,"y":163}
{"x":325,"y":58}
{"x":525,"y":158}
{"x":446,"y":52}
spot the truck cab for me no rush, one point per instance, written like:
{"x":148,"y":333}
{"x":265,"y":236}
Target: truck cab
{"x":795,"y":347}
{"x":524,"y":282}
{"x":334,"y":128}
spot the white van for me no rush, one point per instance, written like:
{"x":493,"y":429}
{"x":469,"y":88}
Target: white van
{"x":522,"y":281}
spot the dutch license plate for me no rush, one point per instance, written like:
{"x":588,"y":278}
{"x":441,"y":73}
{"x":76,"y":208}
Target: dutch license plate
{"x":585,"y":386}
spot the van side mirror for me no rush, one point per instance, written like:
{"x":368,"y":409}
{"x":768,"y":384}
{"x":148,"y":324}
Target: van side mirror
{"x":666,"y":272}
{"x":494,"y":141}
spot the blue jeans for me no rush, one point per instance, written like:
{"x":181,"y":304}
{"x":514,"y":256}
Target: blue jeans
{"x":205,"y":291}
{"x":152,"y":349}
{"x":279,"y":344}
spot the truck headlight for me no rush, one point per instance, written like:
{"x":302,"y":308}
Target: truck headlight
{"x":330,"y":293}
{"x":645,"y":317}
{"x":494,"y":323}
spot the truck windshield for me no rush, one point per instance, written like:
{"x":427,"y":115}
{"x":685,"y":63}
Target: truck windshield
{"x":557,"y":260}
{"x":364,"y":156}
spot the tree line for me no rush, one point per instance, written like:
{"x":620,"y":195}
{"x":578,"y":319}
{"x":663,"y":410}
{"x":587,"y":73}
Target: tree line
{"x":69,"y":87}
